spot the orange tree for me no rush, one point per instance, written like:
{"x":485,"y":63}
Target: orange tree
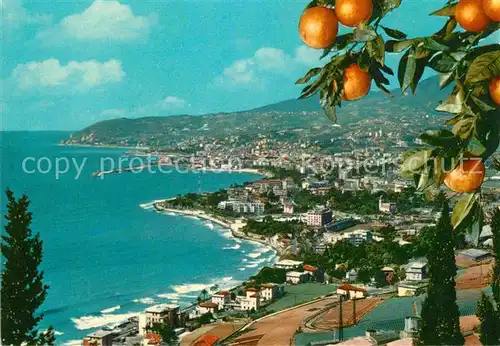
{"x":454,"y":155}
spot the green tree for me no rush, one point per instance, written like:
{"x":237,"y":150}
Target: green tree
{"x":23,"y":290}
{"x":490,"y":318}
{"x":166,"y":332}
{"x":495,"y":285}
{"x":440,"y":316}
{"x":489,"y":329}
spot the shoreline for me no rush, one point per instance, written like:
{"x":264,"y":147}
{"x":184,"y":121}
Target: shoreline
{"x":234,"y":227}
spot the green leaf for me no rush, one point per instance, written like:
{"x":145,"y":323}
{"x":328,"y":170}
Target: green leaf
{"x":313,"y":88}
{"x":445,"y":79}
{"x":399,"y":35}
{"x":419,"y":72}
{"x":425,"y":177}
{"x":447,"y":11}
{"x":312,"y":72}
{"x":387,"y":5}
{"x":328,"y":102}
{"x":340,"y":43}
{"x":442,"y":63}
{"x":415,"y":160}
{"x":434,"y":45}
{"x":448,"y":28}
{"x":463,"y":128}
{"x":482,"y":105}
{"x":439,"y":138}
{"x":364,"y":61}
{"x":454,"y":104}
{"x":474,"y":231}
{"x":364,"y":35}
{"x":406,"y":70}
{"x":399,"y":46}
{"x":484,"y":67}
{"x":462,"y":208}
{"x":376,"y":49}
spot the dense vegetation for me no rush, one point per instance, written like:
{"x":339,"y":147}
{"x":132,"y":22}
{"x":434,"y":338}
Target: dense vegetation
{"x":270,"y":227}
{"x":269,"y":275}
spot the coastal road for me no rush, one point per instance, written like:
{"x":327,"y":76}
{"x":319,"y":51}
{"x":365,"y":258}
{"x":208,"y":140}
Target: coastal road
{"x":280,"y":329}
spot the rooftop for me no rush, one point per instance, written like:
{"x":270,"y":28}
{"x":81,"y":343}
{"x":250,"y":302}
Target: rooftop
{"x":348,"y":287}
{"x":156,"y":309}
{"x":474,"y":253}
{"x":294,"y":274}
{"x":100,"y":333}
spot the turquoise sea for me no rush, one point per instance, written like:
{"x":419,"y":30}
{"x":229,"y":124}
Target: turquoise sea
{"x":107,"y":258}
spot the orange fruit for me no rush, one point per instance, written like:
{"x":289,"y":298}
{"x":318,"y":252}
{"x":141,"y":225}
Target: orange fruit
{"x":471,"y":16}
{"x":318,"y":27}
{"x":492,"y":9}
{"x":467,"y":176}
{"x":356,"y":83}
{"x":353,"y":12}
{"x":495,"y":89}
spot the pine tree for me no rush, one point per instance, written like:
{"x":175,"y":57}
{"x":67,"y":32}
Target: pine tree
{"x":440,"y":315}
{"x":490,"y":323}
{"x":22,"y":289}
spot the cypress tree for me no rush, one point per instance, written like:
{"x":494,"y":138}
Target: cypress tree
{"x":495,"y":284}
{"x":489,"y":316}
{"x":440,"y":315}
{"x":22,"y":289}
{"x":490,"y":324}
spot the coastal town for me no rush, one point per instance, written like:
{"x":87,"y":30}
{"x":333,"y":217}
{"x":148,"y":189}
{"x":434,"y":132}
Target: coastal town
{"x":350,"y":237}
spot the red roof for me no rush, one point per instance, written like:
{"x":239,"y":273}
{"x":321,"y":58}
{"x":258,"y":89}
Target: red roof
{"x":206,"y":340}
{"x":223,"y":293}
{"x":310,"y":268}
{"x":154,"y":339}
{"x":348,"y":287}
{"x":254,"y":295}
{"x":251,"y":289}
{"x":208,"y":305}
{"x":267,"y":286}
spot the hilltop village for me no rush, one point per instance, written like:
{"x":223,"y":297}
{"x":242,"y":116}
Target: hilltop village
{"x":349,"y":234}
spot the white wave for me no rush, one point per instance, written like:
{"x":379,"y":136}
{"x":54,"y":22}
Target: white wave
{"x":243,"y":251}
{"x":242,"y":269}
{"x":147,"y":300}
{"x":252,"y":265}
{"x":56,"y":332}
{"x":192,"y":217}
{"x":88,"y":322}
{"x":209,"y":225}
{"x":73,"y":343}
{"x":244,"y":260}
{"x":254,"y":254}
{"x":170,"y":213}
{"x":235,"y":247}
{"x":227,"y":278}
{"x":110,"y":310}
{"x":187,"y":288}
{"x":147,"y":205}
{"x":169,"y":296}
{"x":237,"y":240}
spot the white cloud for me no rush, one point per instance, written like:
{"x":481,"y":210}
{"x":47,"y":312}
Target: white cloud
{"x":14,"y":15}
{"x":172,"y":102}
{"x":50,"y":74}
{"x":265,"y":61}
{"x":102,"y":20}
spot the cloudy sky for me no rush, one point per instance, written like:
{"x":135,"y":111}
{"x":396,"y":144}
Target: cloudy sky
{"x":68,"y":64}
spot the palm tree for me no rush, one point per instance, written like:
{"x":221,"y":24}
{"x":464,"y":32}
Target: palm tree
{"x":214,"y":288}
{"x":204,"y":294}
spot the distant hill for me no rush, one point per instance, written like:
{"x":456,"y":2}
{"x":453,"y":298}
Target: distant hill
{"x":292,"y":119}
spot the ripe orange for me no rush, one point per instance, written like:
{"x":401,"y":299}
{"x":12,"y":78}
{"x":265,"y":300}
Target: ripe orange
{"x":353,"y":12}
{"x":318,"y":27}
{"x":356,"y":83}
{"x":467,"y":176}
{"x":471,"y":16}
{"x":492,"y":9}
{"x":495,"y":89}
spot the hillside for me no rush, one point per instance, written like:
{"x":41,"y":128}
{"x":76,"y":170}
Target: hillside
{"x":291,"y":119}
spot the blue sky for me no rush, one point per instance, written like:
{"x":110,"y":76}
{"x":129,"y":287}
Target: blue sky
{"x":68,"y":64}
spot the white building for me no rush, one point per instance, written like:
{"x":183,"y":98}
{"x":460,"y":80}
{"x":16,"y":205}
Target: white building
{"x":319,"y":217}
{"x":296,"y":278}
{"x":288,"y":264}
{"x":417,"y":271}
{"x":251,"y":300}
{"x":271,"y":291}
{"x":350,"y":291}
{"x":221,"y":299}
{"x":162,"y":313}
{"x":243,"y":207}
{"x":207,"y":307}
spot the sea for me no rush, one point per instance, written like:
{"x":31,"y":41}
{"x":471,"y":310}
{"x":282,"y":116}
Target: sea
{"x":106,"y":257}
